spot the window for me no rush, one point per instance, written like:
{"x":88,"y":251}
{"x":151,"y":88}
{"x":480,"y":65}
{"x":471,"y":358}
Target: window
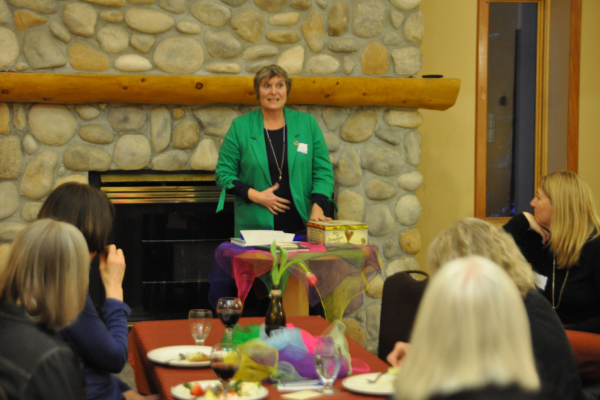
{"x":522,"y":88}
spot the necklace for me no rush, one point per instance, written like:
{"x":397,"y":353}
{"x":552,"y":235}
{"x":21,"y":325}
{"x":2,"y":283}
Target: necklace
{"x":563,"y":285}
{"x":280,"y":169}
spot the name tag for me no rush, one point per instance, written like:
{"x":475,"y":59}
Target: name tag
{"x":303,"y":148}
{"x":540,"y":281}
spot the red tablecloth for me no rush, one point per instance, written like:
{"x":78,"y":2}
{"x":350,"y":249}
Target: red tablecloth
{"x":154,"y":378}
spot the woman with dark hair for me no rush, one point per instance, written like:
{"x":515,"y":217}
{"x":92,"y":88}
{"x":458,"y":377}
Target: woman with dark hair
{"x":42,"y":289}
{"x":561,"y":240}
{"x":101,"y":342}
{"x":275,"y":162}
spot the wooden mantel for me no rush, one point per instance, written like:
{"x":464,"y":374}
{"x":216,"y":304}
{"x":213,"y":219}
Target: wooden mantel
{"x":19,"y":87}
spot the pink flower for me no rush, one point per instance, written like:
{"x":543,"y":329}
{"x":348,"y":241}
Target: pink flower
{"x":312,"y":279}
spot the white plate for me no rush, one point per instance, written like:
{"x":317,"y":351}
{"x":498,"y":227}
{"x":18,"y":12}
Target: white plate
{"x":170,"y":356}
{"x":359,"y":384}
{"x":182,"y":393}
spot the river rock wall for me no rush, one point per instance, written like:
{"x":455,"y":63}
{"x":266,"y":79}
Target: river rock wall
{"x":374,"y":151}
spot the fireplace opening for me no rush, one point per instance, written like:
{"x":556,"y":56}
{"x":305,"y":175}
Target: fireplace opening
{"x":168,"y":229}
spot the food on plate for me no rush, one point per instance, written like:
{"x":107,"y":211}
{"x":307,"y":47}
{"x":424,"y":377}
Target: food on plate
{"x":197,"y":356}
{"x":237,"y":389}
{"x":197,"y":390}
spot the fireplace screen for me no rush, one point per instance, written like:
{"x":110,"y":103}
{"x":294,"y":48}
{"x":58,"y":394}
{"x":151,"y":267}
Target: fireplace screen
{"x":168,"y":230}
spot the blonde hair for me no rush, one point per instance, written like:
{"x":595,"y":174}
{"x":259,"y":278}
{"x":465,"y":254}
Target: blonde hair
{"x":471,"y":331}
{"x":472,"y":236}
{"x":47,"y":271}
{"x":574,"y":216}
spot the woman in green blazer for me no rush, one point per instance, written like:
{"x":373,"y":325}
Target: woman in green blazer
{"x":275,"y":161}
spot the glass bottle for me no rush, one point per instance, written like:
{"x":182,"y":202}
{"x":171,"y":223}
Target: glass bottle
{"x":275,"y":313}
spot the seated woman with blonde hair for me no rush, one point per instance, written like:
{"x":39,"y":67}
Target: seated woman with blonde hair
{"x":555,"y":362}
{"x":42,"y":289}
{"x":471,"y":333}
{"x":561,"y":240}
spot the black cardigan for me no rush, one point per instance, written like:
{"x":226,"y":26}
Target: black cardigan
{"x":580,"y":305}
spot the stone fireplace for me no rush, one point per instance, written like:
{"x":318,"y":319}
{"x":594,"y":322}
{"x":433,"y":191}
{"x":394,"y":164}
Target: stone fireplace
{"x":60,"y":123}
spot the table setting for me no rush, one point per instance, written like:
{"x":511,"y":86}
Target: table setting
{"x":274,"y":356}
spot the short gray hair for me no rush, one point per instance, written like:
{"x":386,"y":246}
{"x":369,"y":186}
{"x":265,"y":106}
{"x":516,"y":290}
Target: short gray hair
{"x":270,"y":71}
{"x":471,"y":331}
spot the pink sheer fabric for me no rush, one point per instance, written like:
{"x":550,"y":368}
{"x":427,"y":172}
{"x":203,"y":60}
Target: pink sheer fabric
{"x":344,"y":272}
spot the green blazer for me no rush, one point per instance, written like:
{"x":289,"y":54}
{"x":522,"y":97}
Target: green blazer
{"x":243,"y":156}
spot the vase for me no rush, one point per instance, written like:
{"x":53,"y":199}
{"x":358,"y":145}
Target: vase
{"x":275,"y":313}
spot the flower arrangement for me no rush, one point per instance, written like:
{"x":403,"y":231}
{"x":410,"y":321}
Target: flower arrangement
{"x":281,"y":264}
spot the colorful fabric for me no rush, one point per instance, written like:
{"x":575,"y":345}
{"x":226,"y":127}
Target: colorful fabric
{"x":344,"y":272}
{"x":288,"y":354}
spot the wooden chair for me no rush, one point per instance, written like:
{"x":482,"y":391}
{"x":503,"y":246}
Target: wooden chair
{"x":399,"y":303}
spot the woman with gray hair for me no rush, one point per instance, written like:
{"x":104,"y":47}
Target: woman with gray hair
{"x":471,"y":332}
{"x":275,"y":162}
{"x":42,"y":289}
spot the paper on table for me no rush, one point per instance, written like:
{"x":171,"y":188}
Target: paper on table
{"x":303,"y":395}
{"x":260,"y":238}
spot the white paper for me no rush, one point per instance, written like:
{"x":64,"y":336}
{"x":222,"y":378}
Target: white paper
{"x":540,"y":280}
{"x":264,"y":238}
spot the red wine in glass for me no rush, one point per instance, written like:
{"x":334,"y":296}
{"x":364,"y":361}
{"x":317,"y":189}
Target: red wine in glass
{"x":225,"y":360}
{"x":225,"y":371}
{"x":230,"y":317}
{"x":229,"y":310}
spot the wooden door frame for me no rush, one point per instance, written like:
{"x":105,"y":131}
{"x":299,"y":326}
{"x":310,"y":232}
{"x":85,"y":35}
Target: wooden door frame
{"x":542,"y":95}
{"x":574,"y":69}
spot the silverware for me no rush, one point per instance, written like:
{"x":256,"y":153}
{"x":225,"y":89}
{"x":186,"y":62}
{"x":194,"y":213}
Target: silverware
{"x":374,"y":380}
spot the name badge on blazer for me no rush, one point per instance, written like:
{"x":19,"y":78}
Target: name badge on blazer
{"x":303,"y":148}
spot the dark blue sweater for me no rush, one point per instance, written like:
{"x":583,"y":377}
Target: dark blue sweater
{"x":102,"y":347}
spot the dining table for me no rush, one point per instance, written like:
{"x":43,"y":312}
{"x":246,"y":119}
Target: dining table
{"x":152,"y":378}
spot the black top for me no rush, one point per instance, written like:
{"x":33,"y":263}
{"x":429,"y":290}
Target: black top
{"x":497,"y":393}
{"x":33,"y":363}
{"x":579,"y":307}
{"x":289,"y":221}
{"x":554,"y":358}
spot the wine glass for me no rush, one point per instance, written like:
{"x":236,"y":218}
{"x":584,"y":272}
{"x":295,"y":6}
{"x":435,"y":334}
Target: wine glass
{"x":225,"y":360}
{"x":328,"y":357}
{"x":230,"y":311}
{"x":200,"y":322}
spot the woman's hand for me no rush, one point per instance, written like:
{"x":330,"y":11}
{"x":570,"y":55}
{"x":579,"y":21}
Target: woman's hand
{"x":112,"y":271}
{"x":317,"y":214}
{"x":269,"y":200}
{"x":396,"y":357}
{"x":535,"y":226}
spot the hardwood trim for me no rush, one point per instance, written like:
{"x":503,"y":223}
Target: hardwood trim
{"x":574,"y":83}
{"x":542,"y":92}
{"x":433,"y":94}
{"x":498,"y":222}
{"x":483,"y":8}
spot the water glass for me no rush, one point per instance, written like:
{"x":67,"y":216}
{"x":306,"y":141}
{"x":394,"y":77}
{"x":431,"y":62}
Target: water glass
{"x":225,"y":360}
{"x":200,"y":322}
{"x":328,"y":357}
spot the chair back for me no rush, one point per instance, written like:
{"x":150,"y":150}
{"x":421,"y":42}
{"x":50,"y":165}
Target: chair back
{"x":399,"y":303}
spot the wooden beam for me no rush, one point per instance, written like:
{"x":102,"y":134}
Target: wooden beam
{"x":434,"y":94}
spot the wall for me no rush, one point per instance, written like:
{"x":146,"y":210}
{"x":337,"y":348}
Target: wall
{"x":448,"y":148}
{"x":374,"y":150}
{"x":589,"y":100}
